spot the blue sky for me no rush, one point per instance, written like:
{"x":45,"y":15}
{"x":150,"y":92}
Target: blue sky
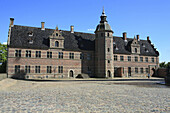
{"x":143,"y":17}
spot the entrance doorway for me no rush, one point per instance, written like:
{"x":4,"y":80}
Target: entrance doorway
{"x":129,"y":71}
{"x":108,"y":73}
{"x":71,"y":74}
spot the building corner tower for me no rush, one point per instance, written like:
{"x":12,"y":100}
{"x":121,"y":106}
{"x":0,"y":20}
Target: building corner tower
{"x":104,"y":49}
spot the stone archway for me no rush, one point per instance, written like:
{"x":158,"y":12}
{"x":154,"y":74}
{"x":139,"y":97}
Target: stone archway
{"x":109,"y":73}
{"x":71,"y":74}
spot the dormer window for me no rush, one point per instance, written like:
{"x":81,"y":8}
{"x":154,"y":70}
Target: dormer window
{"x":30,"y":33}
{"x":56,"y":44}
{"x":143,"y":45}
{"x":146,"y":50}
{"x":30,"y":41}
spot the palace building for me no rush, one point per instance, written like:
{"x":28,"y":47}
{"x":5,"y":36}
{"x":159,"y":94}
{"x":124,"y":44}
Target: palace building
{"x":52,"y":53}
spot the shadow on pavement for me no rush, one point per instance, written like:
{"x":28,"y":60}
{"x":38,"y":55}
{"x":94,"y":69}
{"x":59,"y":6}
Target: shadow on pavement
{"x":97,"y":79}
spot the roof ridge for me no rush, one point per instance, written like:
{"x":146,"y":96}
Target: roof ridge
{"x":54,"y":29}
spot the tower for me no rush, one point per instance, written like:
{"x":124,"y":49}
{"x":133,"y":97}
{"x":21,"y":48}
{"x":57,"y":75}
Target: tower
{"x":104,"y":48}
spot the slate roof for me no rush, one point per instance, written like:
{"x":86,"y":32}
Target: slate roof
{"x":76,"y":41}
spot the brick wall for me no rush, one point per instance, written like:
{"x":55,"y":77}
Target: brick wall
{"x":76,"y":65}
{"x":161,"y":72}
{"x":133,"y":64}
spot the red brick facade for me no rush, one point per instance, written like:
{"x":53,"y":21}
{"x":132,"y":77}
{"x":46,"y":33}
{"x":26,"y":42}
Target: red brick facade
{"x":48,"y":53}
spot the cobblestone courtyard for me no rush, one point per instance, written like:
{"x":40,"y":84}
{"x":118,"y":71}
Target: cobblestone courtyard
{"x":84,"y":96}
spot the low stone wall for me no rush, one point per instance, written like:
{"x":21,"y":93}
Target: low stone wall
{"x":3,"y":76}
{"x":161,"y":72}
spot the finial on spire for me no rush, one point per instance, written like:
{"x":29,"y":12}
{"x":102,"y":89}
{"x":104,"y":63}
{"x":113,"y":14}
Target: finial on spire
{"x":103,"y":13}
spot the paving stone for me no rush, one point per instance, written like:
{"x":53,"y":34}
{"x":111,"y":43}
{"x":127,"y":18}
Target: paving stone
{"x":85,"y":96}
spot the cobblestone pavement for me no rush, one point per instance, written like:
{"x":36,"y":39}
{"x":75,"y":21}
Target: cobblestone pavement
{"x":84,"y":96}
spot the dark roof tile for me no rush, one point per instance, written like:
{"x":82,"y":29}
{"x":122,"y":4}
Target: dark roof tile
{"x":76,"y":41}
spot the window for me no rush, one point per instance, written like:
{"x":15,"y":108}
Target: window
{"x":136,"y":50}
{"x":56,"y":34}
{"x":88,"y":70}
{"x":141,"y":70}
{"x":136,"y":70}
{"x":49,"y":69}
{"x":129,"y":58}
{"x":37,"y":69}
{"x":102,"y":34}
{"x":49,"y":54}
{"x":81,"y":56}
{"x":30,"y":41}
{"x":28,"y":53}
{"x":141,"y":59}
{"x":108,"y":61}
{"x":56,"y":44}
{"x":38,"y":54}
{"x":60,"y":69}
{"x":115,"y":57}
{"x":136,"y":59}
{"x":17,"y":53}
{"x":71,"y":55}
{"x":88,"y":57}
{"x":60,"y":55}
{"x":146,"y":59}
{"x":27,"y":69}
{"x":108,"y":49}
{"x":96,"y":35}
{"x":146,"y":70}
{"x":17,"y":68}
{"x":30,"y":33}
{"x":121,"y":58}
{"x":152,"y":59}
{"x":108,"y":34}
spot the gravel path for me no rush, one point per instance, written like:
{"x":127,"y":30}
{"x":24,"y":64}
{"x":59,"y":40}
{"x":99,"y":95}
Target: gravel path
{"x":84,"y":96}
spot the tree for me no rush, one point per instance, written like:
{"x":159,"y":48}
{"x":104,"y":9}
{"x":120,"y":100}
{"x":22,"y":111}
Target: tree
{"x":164,"y":65}
{"x":3,"y":57}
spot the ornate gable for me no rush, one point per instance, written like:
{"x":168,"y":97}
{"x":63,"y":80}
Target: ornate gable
{"x":56,"y":39}
{"x":135,"y":46}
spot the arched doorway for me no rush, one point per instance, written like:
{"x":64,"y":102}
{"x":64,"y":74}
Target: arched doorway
{"x":108,"y":73}
{"x":152,"y":72}
{"x":71,"y":73}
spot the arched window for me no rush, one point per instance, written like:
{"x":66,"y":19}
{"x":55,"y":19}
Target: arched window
{"x":56,"y":44}
{"x":135,"y":50}
{"x":108,"y":34}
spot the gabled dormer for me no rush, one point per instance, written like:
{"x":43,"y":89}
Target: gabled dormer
{"x":135,"y":46}
{"x":56,"y":39}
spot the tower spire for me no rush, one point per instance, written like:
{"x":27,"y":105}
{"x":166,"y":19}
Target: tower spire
{"x":103,"y":13}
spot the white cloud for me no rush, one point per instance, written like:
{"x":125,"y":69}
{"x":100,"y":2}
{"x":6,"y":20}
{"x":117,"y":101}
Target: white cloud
{"x":5,"y":43}
{"x":91,"y":29}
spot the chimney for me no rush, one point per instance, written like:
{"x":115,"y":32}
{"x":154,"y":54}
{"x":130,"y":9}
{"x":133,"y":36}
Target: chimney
{"x":42,"y":26}
{"x":124,"y":36}
{"x":147,"y":38}
{"x":137,"y":37}
{"x":11,"y":22}
{"x":72,"y":29}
